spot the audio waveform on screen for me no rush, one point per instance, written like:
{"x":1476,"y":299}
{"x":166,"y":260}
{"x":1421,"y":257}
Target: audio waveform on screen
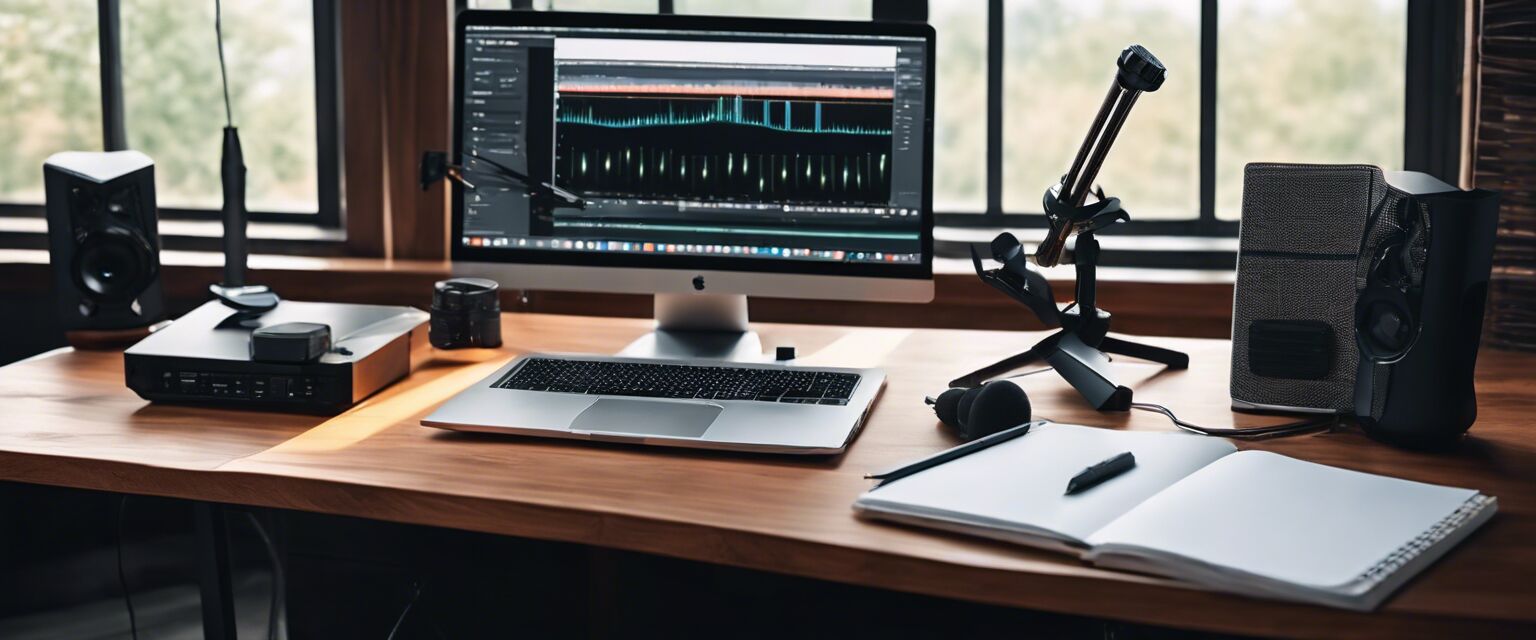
{"x":843,"y":177}
{"x":725,"y":147}
{"x":768,"y":114}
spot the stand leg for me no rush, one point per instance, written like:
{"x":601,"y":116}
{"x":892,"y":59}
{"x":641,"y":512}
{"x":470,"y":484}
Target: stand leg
{"x":997,"y":369}
{"x":1173,"y":359}
{"x":213,"y":572}
{"x":1087,"y":370}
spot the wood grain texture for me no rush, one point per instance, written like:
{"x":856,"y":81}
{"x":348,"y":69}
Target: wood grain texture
{"x":69,"y":421}
{"x":1504,"y":159}
{"x":417,"y":81}
{"x":365,"y":214}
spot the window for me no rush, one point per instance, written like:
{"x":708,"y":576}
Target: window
{"x":819,"y":9}
{"x":172,"y":99}
{"x":1283,"y":80}
{"x":50,"y":95}
{"x":1058,"y":63}
{"x":1259,"y":80}
{"x":174,"y":102}
{"x":1308,"y":81}
{"x":960,"y":105}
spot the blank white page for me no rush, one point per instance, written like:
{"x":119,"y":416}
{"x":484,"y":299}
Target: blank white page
{"x":1022,"y":481}
{"x":1284,"y":518}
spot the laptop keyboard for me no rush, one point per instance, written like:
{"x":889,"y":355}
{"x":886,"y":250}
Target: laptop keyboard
{"x":646,"y":380}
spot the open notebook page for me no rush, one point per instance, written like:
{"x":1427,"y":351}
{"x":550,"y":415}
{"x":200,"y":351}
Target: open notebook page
{"x":1022,"y":481}
{"x":1282,"y":518}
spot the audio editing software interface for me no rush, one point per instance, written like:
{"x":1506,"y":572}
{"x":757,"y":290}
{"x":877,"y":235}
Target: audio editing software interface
{"x":729,"y":144}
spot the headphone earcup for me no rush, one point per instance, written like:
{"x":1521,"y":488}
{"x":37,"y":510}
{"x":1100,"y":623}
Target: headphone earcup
{"x":947,"y":407}
{"x":998,"y":405}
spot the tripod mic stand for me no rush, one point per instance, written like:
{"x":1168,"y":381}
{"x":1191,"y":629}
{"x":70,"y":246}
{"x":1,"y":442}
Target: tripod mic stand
{"x":1077,"y":351}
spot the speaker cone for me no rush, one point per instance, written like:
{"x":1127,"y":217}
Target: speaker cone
{"x":114,"y":264}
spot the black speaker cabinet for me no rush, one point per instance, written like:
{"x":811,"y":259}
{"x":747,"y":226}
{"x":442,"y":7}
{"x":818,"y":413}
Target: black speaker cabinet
{"x":102,"y":239}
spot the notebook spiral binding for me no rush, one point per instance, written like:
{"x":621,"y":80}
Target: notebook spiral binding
{"x":1414,"y":547}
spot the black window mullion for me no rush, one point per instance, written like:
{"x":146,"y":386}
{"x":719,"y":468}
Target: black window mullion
{"x":1208,"y":35}
{"x":665,"y":7}
{"x":328,"y":113}
{"x":995,"y":110}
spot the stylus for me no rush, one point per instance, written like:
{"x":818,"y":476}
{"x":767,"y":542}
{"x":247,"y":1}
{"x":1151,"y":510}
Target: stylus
{"x":946,"y":455}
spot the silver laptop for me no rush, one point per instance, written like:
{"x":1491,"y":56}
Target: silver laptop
{"x":681,"y":403}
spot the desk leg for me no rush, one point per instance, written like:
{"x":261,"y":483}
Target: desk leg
{"x":213,"y":572}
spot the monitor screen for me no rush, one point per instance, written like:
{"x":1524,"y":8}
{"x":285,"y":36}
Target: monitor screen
{"x":697,"y":148}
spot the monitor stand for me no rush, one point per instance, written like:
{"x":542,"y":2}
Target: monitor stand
{"x":699,"y":326}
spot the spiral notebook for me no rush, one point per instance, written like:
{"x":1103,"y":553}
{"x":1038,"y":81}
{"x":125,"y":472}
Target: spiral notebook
{"x":1196,"y":510}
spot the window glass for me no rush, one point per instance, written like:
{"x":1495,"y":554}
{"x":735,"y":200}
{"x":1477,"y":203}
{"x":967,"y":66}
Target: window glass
{"x":1307,"y":81}
{"x":1059,"y":61}
{"x":960,"y":106}
{"x":50,"y":89}
{"x":174,"y":104}
{"x":818,"y":9}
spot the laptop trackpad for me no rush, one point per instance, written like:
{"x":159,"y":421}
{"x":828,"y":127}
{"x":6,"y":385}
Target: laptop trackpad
{"x":647,"y":417}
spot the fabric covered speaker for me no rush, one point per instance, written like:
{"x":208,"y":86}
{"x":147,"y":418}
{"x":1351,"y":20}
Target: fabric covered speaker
{"x":102,"y":239}
{"x":1309,"y":238}
{"x":1293,"y":318}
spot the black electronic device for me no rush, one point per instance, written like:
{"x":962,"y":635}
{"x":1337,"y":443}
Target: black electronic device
{"x":466,"y":313}
{"x":982,"y":411}
{"x":1362,"y":292}
{"x":701,"y":145}
{"x":206,"y":356}
{"x":103,"y":239}
{"x":1419,"y":317}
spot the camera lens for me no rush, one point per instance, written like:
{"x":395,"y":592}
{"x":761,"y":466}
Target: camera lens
{"x":466,"y":313}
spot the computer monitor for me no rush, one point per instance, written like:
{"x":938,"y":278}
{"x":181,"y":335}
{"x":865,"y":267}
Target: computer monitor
{"x":727,"y":156}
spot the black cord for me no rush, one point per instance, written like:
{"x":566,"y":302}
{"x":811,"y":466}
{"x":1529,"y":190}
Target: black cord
{"x":404,"y":612}
{"x":1249,"y":433}
{"x":218,"y":32}
{"x":122,"y":576}
{"x":275,"y":608}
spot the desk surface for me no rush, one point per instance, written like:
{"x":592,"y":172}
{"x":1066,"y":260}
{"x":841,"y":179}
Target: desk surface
{"x":68,"y":420}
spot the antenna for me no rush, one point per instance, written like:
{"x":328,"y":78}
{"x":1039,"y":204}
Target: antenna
{"x":233,"y":290}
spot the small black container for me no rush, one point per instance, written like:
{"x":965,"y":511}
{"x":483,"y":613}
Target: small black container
{"x":466,"y":313}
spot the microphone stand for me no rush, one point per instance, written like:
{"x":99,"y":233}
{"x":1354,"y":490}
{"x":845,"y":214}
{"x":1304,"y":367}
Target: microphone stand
{"x":1078,"y":350}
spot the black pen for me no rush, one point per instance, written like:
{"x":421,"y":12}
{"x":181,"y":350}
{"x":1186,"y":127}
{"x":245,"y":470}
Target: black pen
{"x":949,"y":454}
{"x":1101,"y":472}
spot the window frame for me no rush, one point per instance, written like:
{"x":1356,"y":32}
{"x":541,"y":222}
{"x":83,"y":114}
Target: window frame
{"x":330,"y":213}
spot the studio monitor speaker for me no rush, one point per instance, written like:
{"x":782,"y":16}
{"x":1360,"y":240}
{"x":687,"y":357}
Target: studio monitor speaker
{"x":102,"y":239}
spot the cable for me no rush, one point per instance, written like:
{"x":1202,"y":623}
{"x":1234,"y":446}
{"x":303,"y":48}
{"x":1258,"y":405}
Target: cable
{"x":122,"y":576}
{"x":218,"y":32}
{"x":401,"y":620}
{"x":1251,"y":433}
{"x":275,"y":609}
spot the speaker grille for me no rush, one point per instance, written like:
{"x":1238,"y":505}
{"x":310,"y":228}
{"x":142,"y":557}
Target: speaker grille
{"x":1291,"y":349}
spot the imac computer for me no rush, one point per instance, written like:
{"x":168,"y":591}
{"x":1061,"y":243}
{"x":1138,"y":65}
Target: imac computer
{"x":699,"y":159}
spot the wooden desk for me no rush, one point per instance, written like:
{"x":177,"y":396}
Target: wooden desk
{"x":68,"y":420}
